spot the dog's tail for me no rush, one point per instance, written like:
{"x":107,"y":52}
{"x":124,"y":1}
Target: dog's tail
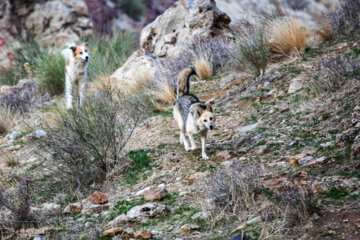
{"x":183,"y":81}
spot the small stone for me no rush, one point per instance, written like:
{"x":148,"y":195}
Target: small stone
{"x":75,"y":207}
{"x":99,"y":198}
{"x":51,"y":207}
{"x":14,"y":135}
{"x":295,"y":159}
{"x":295,"y":85}
{"x":99,"y":208}
{"x":316,"y":162}
{"x":66,"y":209}
{"x":238,"y":236}
{"x":175,"y":160}
{"x":156,"y":194}
{"x":141,"y":192}
{"x":201,"y":216}
{"x":113,"y":231}
{"x":140,"y":235}
{"x":187,"y":228}
{"x":162,"y":185}
{"x":197,"y":176}
{"x":39,"y":133}
{"x":305,"y":160}
{"x":327,"y":144}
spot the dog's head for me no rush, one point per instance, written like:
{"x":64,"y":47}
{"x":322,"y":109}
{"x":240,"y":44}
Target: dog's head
{"x":81,"y":52}
{"x":206,"y":115}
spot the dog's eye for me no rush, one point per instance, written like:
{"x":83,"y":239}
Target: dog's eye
{"x":81,"y":52}
{"x":205,"y":120}
{"x":85,"y":50}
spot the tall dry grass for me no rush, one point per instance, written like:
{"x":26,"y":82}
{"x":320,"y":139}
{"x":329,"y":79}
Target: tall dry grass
{"x":8,"y":119}
{"x":288,"y":37}
{"x":203,"y":67}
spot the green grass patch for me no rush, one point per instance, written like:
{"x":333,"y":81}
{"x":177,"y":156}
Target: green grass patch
{"x":141,"y":161}
{"x":123,"y":206}
{"x":336,"y":193}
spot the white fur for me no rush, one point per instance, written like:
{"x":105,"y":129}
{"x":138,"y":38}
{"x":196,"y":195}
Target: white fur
{"x":75,"y":74}
{"x":193,"y":126}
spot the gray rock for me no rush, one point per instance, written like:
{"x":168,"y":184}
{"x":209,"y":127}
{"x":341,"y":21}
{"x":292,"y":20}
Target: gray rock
{"x":39,"y":238}
{"x":201,"y":215}
{"x":140,"y":213}
{"x":305,"y":160}
{"x":14,"y":135}
{"x":295,"y":85}
{"x":39,"y":133}
{"x":238,"y":236}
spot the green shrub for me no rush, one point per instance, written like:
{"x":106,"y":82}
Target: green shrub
{"x":50,"y":71}
{"x":253,"y":51}
{"x":141,"y":161}
{"x":86,"y":143}
{"x":108,"y":53}
{"x":10,"y":76}
{"x":134,"y":8}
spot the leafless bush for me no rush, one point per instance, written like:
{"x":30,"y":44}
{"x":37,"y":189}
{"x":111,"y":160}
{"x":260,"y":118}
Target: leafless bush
{"x":232,"y":189}
{"x":347,"y":18}
{"x":218,"y":53}
{"x":334,"y":72}
{"x":15,"y":201}
{"x":8,"y":119}
{"x":296,"y":202}
{"x":86,"y":144}
{"x":22,"y":97}
{"x":253,"y":51}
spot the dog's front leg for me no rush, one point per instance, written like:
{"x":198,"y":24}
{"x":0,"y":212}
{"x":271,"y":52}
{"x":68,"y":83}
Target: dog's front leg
{"x":68,"y":93}
{"x":203,"y":147}
{"x":192,"y":141}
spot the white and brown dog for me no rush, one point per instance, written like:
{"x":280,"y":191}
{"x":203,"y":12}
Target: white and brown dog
{"x":77,"y":59}
{"x":192,"y":115}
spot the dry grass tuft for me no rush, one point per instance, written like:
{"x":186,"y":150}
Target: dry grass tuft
{"x":165,"y":93}
{"x":325,"y":33}
{"x":10,"y":159}
{"x":288,"y":37}
{"x":203,"y":68}
{"x":8,"y":119}
{"x":142,"y":81}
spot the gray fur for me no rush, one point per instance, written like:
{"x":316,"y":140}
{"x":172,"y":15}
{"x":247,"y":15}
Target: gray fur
{"x":186,"y":103}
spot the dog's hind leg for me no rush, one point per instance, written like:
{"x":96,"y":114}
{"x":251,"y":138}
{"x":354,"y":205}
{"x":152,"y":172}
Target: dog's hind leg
{"x":185,"y":142}
{"x":82,"y":93}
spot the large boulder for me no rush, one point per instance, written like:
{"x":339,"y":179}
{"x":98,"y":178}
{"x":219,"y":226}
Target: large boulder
{"x":170,"y":37}
{"x":23,"y":96}
{"x":186,"y":20}
{"x":59,"y":21}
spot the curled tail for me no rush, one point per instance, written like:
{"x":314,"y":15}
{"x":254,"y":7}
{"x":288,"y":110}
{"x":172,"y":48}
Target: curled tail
{"x":183,"y":81}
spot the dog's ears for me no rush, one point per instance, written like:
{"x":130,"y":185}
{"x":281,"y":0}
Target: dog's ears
{"x":73,"y":48}
{"x":209,"y":108}
{"x":199,"y":111}
{"x":85,"y":44}
{"x":210,"y":102}
{"x":208,"y":105}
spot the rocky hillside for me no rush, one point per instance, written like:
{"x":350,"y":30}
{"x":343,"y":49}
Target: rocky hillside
{"x":284,"y":156}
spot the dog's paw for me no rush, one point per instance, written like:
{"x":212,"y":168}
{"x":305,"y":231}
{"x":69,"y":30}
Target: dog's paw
{"x":187,"y":149}
{"x":205,"y":157}
{"x":193,"y":148}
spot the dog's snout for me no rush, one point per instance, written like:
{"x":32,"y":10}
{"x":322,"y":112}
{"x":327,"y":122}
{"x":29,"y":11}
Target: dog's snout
{"x":211,"y":127}
{"x":87,"y":57}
